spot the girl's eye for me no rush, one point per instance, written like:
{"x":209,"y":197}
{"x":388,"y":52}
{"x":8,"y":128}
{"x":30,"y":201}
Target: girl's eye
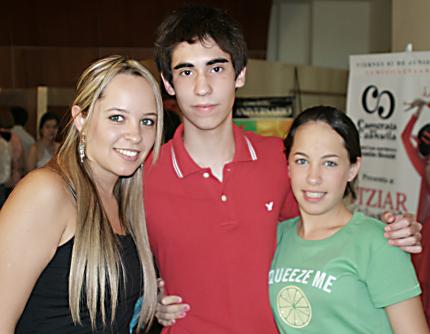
{"x":148,"y":122}
{"x":300,"y":161}
{"x":116,"y":118}
{"x":330,"y":163}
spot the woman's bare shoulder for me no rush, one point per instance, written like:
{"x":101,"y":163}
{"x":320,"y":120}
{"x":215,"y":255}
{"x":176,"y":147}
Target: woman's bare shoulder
{"x":41,"y":198}
{"x":43,"y":182}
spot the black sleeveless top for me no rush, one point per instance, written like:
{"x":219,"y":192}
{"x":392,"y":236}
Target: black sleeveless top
{"x":47,"y":310}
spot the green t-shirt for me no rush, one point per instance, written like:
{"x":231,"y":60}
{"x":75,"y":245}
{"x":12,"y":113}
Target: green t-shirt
{"x":340,"y":284}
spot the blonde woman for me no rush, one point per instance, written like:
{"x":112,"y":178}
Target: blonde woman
{"x":74,"y":253}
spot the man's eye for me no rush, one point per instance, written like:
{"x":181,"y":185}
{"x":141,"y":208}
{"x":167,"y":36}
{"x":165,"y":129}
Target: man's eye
{"x":185,"y":73}
{"x":148,"y":122}
{"x":217,"y":69}
{"x":116,"y":118}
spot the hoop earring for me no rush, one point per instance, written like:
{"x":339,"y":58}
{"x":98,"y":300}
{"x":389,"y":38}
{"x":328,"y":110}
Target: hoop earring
{"x":81,"y":149}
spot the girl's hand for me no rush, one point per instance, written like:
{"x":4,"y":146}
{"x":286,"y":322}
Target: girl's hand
{"x":169,"y":308}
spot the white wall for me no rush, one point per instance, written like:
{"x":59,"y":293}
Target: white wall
{"x":411,"y":24}
{"x":326,"y":32}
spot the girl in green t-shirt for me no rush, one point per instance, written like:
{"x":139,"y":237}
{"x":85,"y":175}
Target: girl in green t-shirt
{"x":333,"y":271}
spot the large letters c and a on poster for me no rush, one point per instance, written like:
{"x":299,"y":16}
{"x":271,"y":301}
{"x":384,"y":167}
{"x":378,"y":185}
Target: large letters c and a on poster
{"x":389,"y":101}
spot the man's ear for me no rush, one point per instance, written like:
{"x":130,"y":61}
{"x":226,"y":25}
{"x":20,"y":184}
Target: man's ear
{"x":78,"y":117}
{"x":169,"y":88}
{"x":240,"y":80}
{"x":353,"y":171}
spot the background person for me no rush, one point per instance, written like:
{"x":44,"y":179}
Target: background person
{"x":16,"y":150}
{"x":418,"y":150}
{"x":20,"y":117}
{"x":74,"y":253}
{"x":42,"y":151}
{"x":5,"y":158}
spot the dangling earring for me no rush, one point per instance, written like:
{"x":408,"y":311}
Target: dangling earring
{"x":81,"y":149}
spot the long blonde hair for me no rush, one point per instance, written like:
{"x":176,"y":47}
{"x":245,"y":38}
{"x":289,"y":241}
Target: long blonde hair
{"x":96,"y":265}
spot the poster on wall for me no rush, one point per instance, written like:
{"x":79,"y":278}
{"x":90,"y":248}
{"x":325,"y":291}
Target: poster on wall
{"x":277,"y":127}
{"x":389,"y":101}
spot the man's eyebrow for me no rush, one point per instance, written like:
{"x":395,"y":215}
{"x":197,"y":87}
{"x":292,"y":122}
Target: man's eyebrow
{"x":183,"y":65}
{"x":209,"y":63}
{"x":216,"y":61}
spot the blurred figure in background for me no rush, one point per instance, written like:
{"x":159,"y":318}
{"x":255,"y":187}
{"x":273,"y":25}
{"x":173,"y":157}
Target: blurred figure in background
{"x":43,"y":150}
{"x":5,"y":159}
{"x":15,"y":149}
{"x":418,"y":149}
{"x":20,"y":117}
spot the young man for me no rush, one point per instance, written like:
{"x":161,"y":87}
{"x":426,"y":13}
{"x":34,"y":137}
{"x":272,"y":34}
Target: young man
{"x":215,"y":196}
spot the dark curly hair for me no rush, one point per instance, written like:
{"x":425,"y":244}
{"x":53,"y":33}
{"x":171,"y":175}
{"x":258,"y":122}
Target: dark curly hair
{"x":194,"y":23}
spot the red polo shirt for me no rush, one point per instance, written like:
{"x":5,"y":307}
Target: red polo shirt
{"x":213,"y":241}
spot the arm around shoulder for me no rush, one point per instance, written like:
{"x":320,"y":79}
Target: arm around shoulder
{"x":32,"y":223}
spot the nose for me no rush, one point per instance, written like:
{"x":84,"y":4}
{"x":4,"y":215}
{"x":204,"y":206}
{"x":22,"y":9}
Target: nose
{"x":202,"y":85}
{"x":314,"y":174}
{"x":134,"y":132}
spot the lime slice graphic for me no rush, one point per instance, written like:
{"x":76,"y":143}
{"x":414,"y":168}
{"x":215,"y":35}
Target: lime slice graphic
{"x":293,"y":307}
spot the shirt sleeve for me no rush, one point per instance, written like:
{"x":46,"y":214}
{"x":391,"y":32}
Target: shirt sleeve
{"x":390,"y":274}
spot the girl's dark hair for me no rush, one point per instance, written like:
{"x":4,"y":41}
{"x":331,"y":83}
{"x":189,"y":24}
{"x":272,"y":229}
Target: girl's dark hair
{"x":199,"y":23}
{"x":339,"y":122}
{"x":47,"y":117}
{"x":424,"y":140}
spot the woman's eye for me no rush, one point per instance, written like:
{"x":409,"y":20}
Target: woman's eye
{"x":116,"y":118}
{"x":330,"y":163}
{"x":148,"y":122}
{"x":300,"y":161}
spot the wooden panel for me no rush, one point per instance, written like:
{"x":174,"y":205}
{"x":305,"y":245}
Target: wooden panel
{"x":135,"y":53}
{"x":6,"y":79}
{"x":59,"y":67}
{"x":52,"y":42}
{"x":53,"y":23}
{"x":5,"y":25}
{"x":129,"y":23}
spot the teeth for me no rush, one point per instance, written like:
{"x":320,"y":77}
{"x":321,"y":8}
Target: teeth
{"x":314,"y":194}
{"x":127,"y":152}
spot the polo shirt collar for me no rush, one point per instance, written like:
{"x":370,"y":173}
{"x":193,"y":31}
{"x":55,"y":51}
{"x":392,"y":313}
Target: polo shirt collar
{"x":184,"y":165}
